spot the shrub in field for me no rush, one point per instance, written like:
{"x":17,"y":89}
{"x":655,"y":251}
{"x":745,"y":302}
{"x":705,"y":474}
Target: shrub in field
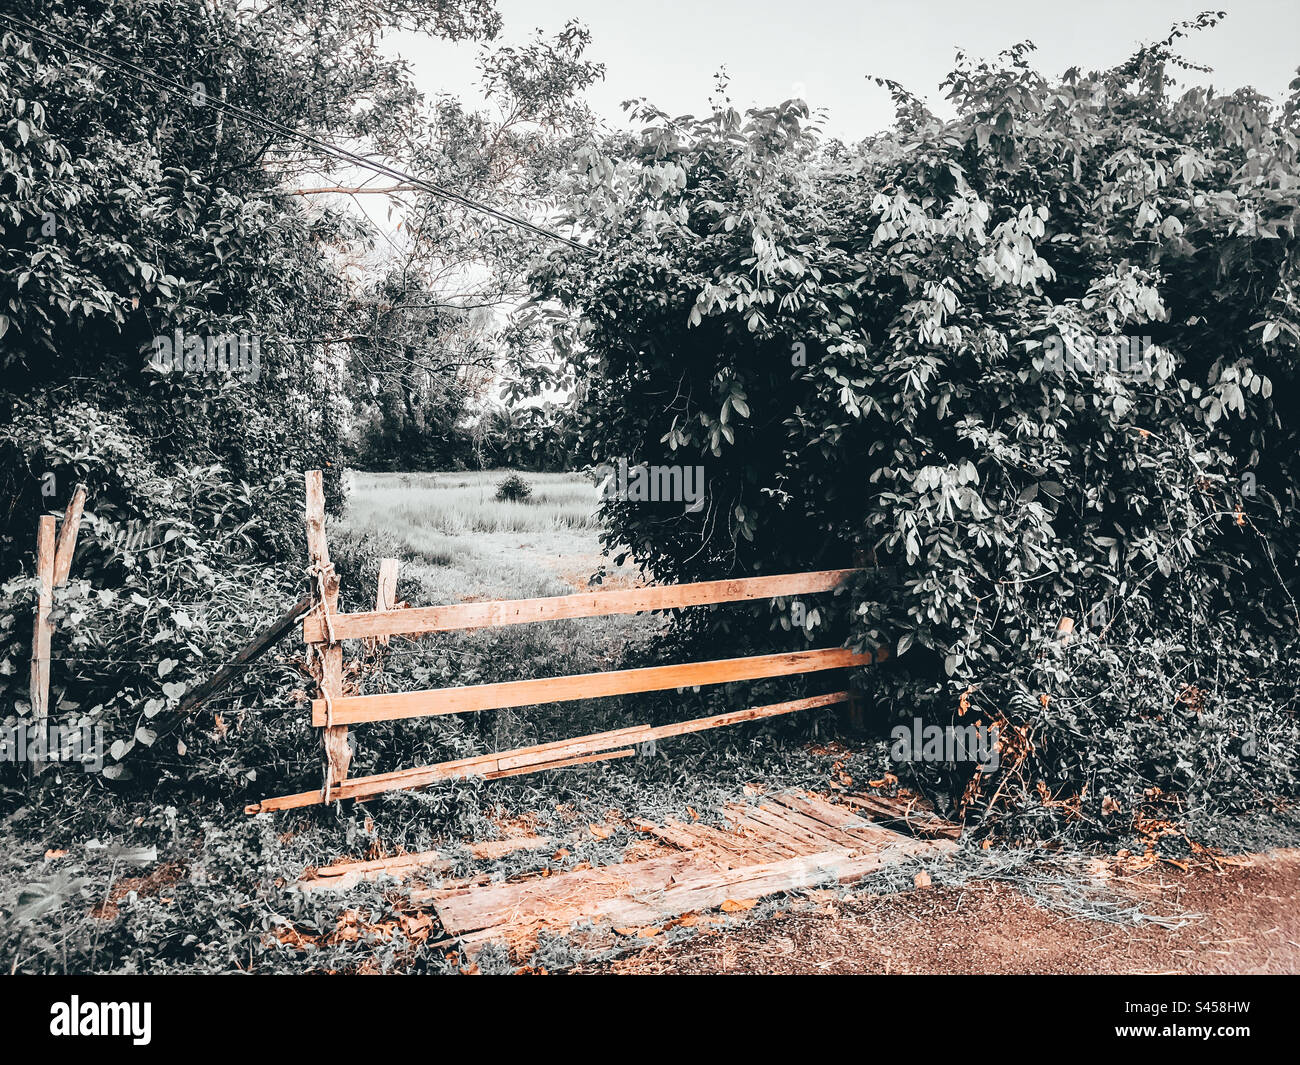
{"x":514,"y":488}
{"x":1035,"y":361}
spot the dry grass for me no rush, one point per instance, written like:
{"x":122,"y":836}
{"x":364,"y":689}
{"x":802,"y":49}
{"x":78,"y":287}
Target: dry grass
{"x":454,"y":504}
{"x":460,"y":542}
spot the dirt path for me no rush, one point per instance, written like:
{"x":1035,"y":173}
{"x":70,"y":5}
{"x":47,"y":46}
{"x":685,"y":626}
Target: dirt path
{"x":1249,"y":923}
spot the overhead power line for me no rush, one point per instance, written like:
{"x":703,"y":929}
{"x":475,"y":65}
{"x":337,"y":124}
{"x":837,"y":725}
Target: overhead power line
{"x":140,"y":74}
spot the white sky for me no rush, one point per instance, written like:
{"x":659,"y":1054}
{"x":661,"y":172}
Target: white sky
{"x":825,"y":50}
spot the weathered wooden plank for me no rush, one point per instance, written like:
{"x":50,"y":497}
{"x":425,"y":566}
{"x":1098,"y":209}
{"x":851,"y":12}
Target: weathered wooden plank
{"x":562,"y":763}
{"x":583,"y":686}
{"x":822,"y":835}
{"x":344,"y":875}
{"x":561,"y":898}
{"x":325,"y":587}
{"x":583,"y":605}
{"x":491,"y":850}
{"x":652,"y":891}
{"x":68,"y":536}
{"x":741,"y":849}
{"x":904,"y":813}
{"x":341,"y":875}
{"x":538,"y":755}
{"x":670,"y":832}
{"x":819,"y":809}
{"x":385,"y":593}
{"x":700,"y":724}
{"x":704,"y":892}
{"x":778,"y":841}
{"x":407,"y":779}
{"x":250,"y":653}
{"x":40,"y":677}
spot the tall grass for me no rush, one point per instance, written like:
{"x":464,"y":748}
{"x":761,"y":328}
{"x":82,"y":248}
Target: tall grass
{"x":454,"y":504}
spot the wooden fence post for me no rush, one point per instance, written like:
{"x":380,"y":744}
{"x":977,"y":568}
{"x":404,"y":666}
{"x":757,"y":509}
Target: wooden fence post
{"x":40,"y":686}
{"x":325,"y":594}
{"x":386,"y":593}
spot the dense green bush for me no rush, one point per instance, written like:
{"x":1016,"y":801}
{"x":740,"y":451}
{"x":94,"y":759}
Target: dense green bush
{"x":859,"y":346}
{"x":131,"y":212}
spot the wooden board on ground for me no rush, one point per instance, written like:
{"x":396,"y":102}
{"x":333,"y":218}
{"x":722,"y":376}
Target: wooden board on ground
{"x":343,"y":875}
{"x":785,"y":842}
{"x":905,"y":815}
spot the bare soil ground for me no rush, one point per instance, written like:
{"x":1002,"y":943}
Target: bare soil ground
{"x":1246,"y":919}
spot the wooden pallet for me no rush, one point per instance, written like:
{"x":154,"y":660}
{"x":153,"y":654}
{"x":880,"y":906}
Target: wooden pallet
{"x":785,"y":842}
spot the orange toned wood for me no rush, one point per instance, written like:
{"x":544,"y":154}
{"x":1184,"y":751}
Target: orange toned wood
{"x":627,"y":752}
{"x":251,"y":652}
{"x":335,"y":738}
{"x":367,"y":787}
{"x":699,"y":724}
{"x":537,"y":757}
{"x":68,"y":536}
{"x":584,"y":605}
{"x":40,"y":682}
{"x":582,"y":686}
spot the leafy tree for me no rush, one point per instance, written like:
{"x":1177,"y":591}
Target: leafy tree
{"x":858,"y":344}
{"x":436,"y":338}
{"x":131,"y":211}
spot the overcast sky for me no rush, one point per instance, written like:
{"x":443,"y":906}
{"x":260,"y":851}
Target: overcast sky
{"x":825,"y":50}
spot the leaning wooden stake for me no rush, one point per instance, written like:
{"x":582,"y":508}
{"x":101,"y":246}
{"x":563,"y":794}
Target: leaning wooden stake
{"x":250,"y":653}
{"x":325,"y":592}
{"x":68,"y":536}
{"x":40,"y":687}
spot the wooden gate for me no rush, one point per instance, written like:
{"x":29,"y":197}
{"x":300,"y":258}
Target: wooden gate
{"x":324,"y":629}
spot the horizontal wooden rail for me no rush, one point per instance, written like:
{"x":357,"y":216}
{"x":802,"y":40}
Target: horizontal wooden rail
{"x":556,"y":755}
{"x":435,"y":701}
{"x":585,"y":605}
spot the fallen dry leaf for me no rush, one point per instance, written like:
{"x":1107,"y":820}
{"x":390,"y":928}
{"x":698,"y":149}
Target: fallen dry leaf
{"x":736,"y":905}
{"x":922,"y":879}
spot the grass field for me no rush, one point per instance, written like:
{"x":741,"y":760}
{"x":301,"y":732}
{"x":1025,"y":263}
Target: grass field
{"x":459,"y":541}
